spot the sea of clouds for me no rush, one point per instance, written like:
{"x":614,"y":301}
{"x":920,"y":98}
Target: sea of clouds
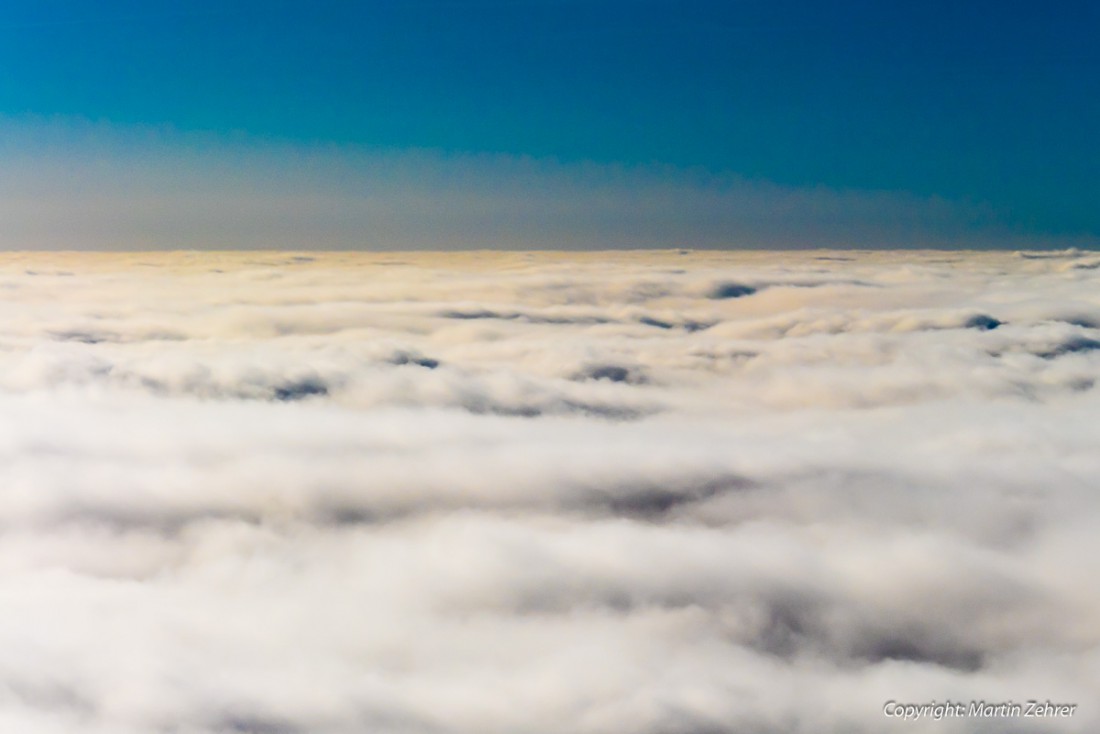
{"x":656,"y":493}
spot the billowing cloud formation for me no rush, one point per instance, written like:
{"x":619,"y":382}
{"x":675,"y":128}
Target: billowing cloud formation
{"x":474,"y":493}
{"x":69,"y":186}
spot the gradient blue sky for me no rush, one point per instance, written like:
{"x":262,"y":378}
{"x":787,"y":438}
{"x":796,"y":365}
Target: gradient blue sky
{"x":989,"y":106}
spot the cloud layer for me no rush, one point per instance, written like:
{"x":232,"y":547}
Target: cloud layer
{"x":475,"y":493}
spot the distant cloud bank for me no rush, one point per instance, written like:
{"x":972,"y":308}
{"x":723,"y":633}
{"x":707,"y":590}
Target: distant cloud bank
{"x":66,"y":185}
{"x":490,"y":493}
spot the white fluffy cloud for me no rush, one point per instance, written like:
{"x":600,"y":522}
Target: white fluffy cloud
{"x":664,"y":492}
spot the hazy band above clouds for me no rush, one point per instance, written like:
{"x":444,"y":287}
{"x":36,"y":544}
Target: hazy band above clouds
{"x":66,"y":185}
{"x":488,"y":493}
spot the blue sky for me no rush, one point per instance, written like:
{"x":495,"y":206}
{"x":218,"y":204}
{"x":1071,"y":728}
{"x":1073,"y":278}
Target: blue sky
{"x":989,"y":106}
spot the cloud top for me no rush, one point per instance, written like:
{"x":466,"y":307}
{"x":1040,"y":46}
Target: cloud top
{"x":473,"y":492}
